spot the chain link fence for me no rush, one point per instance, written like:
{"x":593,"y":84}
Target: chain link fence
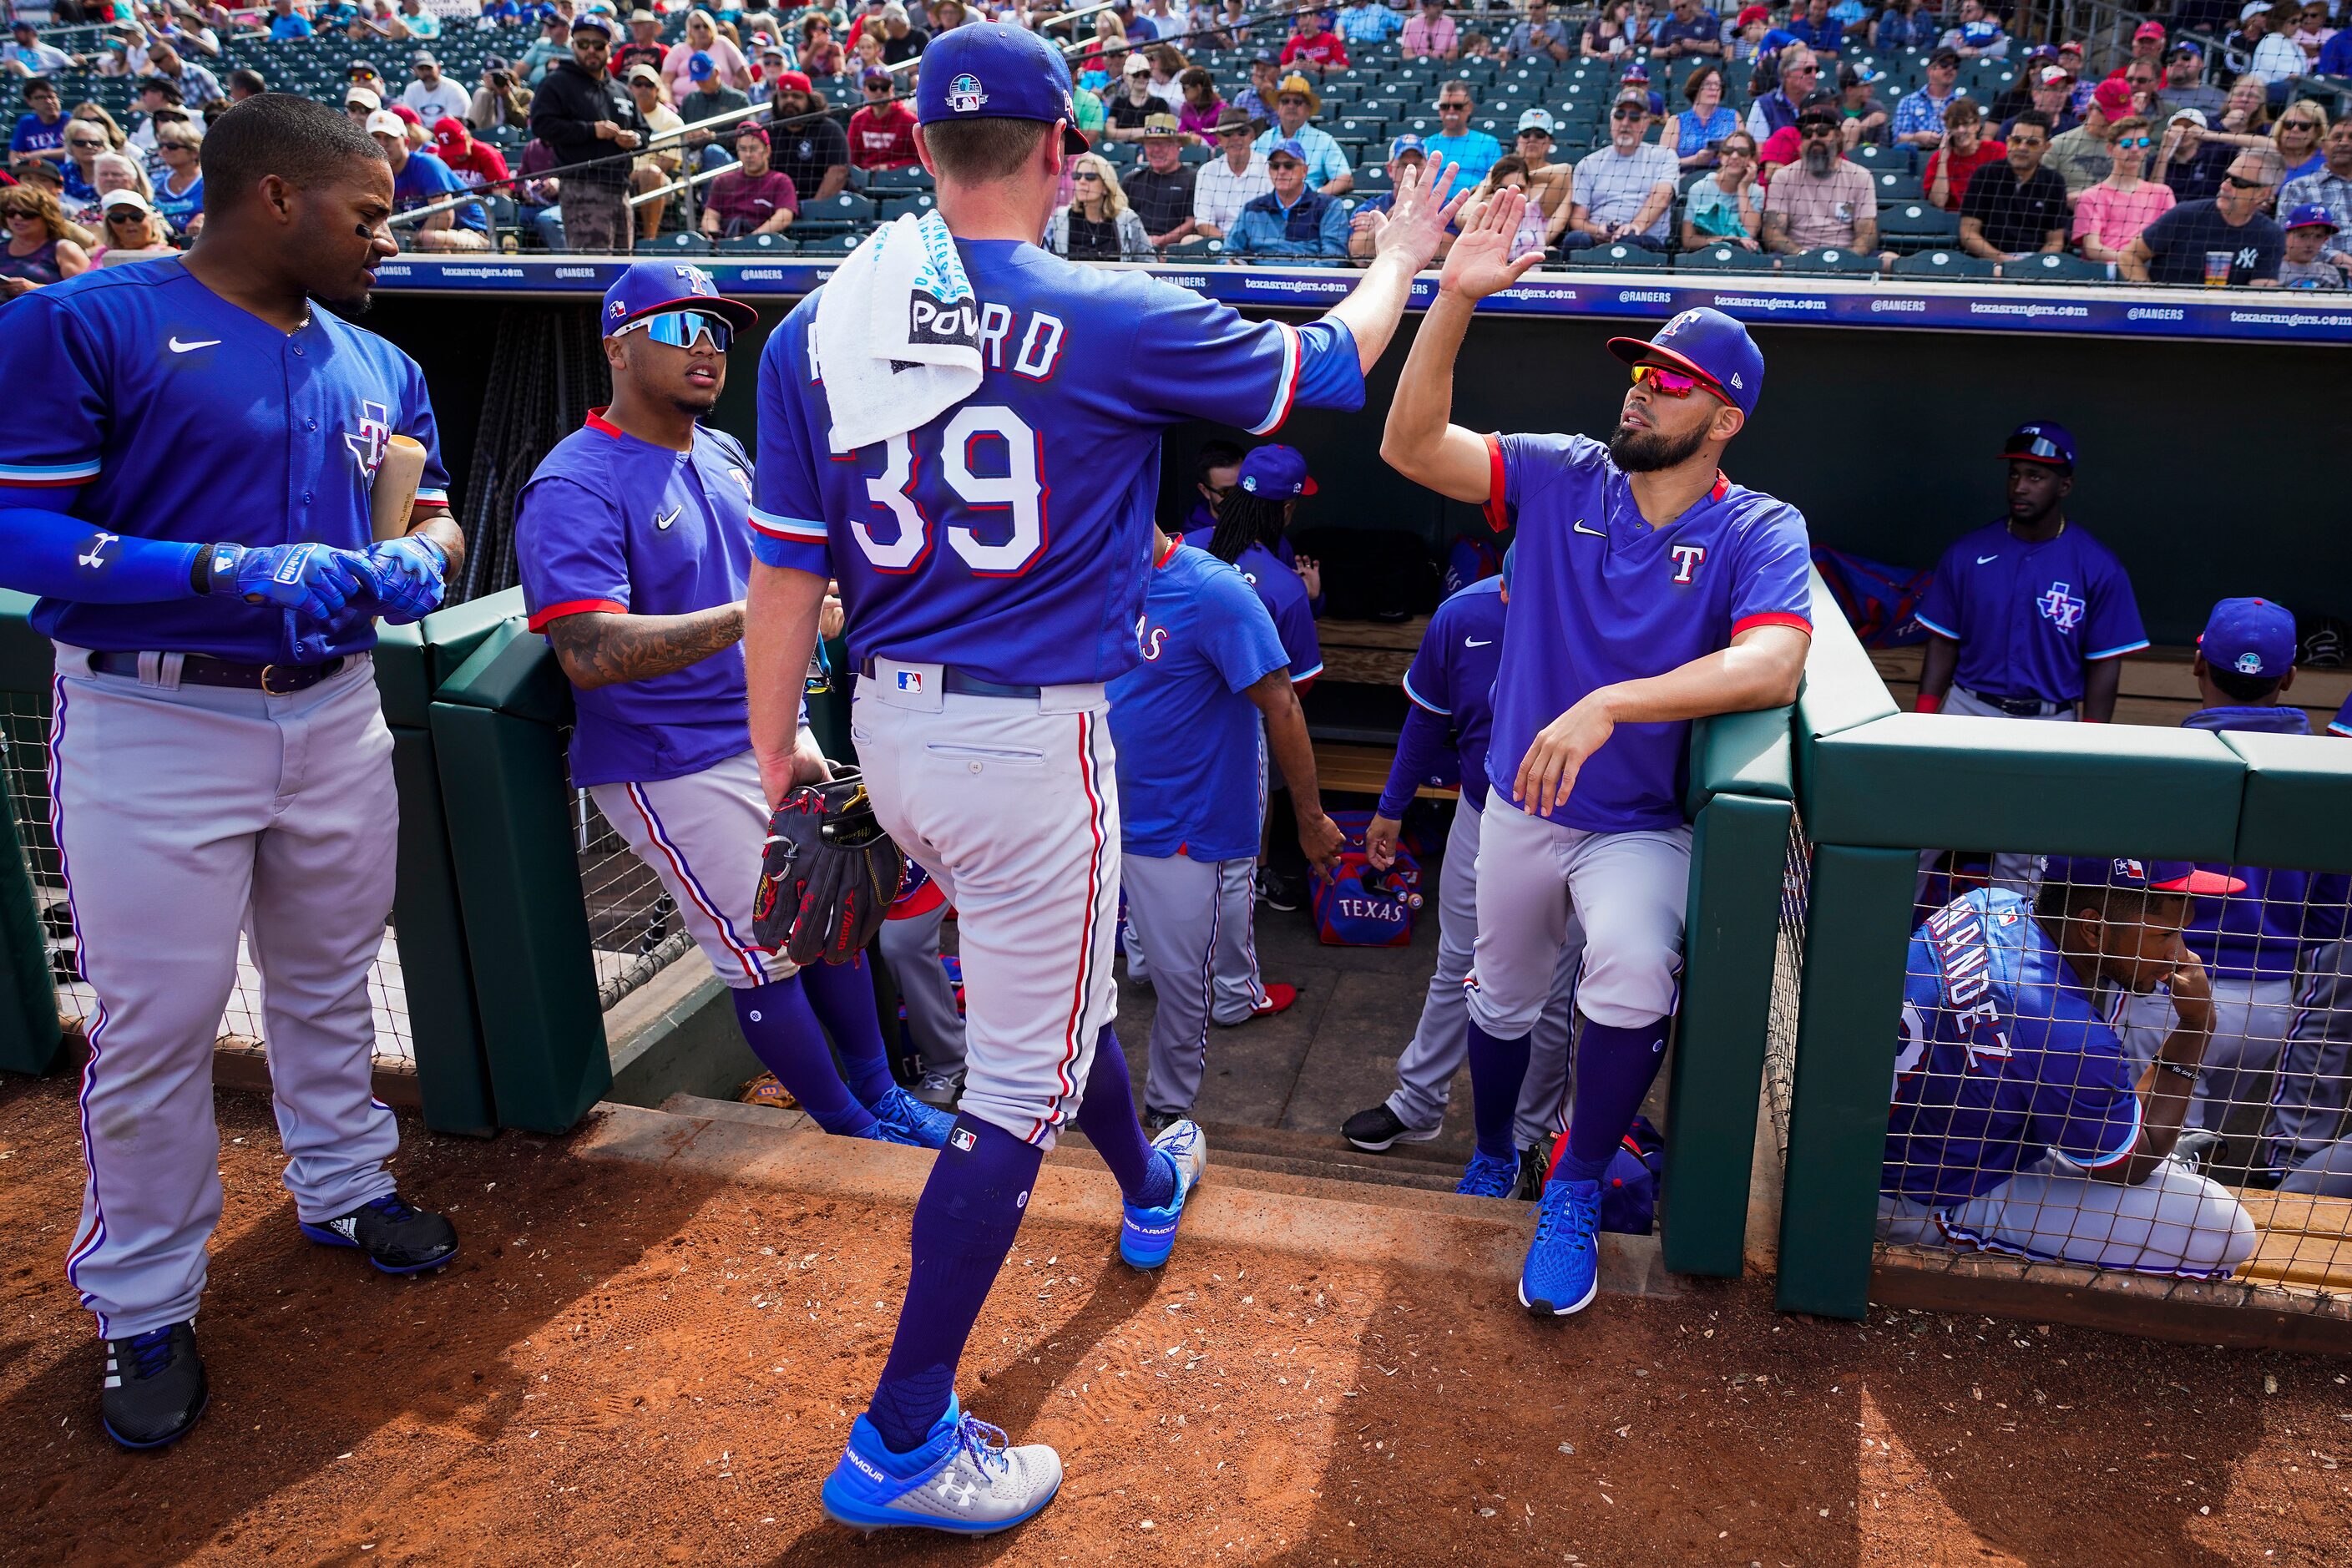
{"x":632,"y":921}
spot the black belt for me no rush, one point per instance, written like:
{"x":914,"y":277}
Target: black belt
{"x":202,"y":669}
{"x":2020,"y":707}
{"x":956,"y":681}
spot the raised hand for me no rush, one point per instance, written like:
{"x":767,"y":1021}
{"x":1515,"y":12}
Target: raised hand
{"x":1480,"y":262}
{"x":1415,"y":226}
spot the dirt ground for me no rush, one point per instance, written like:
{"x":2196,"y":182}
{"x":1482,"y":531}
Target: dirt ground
{"x":624,"y":1367}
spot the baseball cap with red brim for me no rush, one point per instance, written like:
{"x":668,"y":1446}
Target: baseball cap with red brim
{"x":2143,"y":876}
{"x":1709,"y":344}
{"x":2042,"y":441}
{"x":650,"y":287}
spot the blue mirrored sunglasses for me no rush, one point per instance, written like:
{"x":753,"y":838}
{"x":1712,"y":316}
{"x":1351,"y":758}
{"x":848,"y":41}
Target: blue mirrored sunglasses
{"x":678,"y":329}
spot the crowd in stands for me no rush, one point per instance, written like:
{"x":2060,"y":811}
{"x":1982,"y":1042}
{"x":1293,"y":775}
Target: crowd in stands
{"x":1859,"y":136}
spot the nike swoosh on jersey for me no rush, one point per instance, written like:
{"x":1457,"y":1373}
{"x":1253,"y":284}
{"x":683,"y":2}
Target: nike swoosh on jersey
{"x":1477,"y":642}
{"x":663,"y":522}
{"x":1982,"y":559}
{"x":177,"y":347}
{"x":1594,"y":532}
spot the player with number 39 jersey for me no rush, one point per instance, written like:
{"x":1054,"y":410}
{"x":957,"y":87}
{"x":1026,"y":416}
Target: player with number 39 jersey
{"x":964,"y":431}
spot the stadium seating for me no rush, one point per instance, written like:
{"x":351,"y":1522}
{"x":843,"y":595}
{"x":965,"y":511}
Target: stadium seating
{"x":1942,"y":264}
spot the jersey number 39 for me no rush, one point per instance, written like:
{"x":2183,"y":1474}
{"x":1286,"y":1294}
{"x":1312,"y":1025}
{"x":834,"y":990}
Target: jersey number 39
{"x":1019,"y":493}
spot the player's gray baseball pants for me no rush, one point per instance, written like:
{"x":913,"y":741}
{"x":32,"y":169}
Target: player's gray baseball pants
{"x":1011,"y":804}
{"x":1175,"y":911}
{"x":2251,"y":1022}
{"x":911,"y":948}
{"x":183,"y":815}
{"x":1240,"y":989}
{"x":703,"y":834}
{"x":2316,"y":1071}
{"x":1425,"y":1071}
{"x":1626,"y":890}
{"x":2014,"y":870}
{"x":2176,"y":1222}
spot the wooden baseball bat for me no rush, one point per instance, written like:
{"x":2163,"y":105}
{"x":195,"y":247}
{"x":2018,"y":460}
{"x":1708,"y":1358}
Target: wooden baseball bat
{"x":396,"y":477}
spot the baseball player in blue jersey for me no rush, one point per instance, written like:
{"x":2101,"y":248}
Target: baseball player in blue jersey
{"x":1452,"y":688}
{"x":1185,"y":723}
{"x":635,"y":549}
{"x":1648,"y":591}
{"x":965,"y":431}
{"x":184,"y":480}
{"x":2019,"y":1123}
{"x":2030,"y":616}
{"x":1267,"y":486}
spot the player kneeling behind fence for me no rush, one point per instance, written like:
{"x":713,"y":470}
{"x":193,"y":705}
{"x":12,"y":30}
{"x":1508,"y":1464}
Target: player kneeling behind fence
{"x":2017,"y":1125}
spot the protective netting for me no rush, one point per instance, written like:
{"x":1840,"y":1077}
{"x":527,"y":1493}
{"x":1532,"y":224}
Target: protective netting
{"x":2032,"y":1105}
{"x":633,"y":924}
{"x":1788,"y":975}
{"x":24,"y":741}
{"x":549,"y":370}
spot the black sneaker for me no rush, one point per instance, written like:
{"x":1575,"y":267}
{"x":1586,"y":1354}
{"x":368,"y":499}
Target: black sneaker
{"x":397,"y":1238}
{"x":1276,"y":891}
{"x":154,"y":1387}
{"x":1379,"y":1128}
{"x":1534,"y":1164}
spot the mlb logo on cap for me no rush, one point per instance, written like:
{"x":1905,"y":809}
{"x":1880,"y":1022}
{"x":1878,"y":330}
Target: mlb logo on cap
{"x":964,"y":95}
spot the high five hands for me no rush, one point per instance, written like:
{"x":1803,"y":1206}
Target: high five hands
{"x":1480,"y":262}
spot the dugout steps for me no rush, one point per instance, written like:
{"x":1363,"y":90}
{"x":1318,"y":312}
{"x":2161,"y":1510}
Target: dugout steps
{"x":1238,"y":1205}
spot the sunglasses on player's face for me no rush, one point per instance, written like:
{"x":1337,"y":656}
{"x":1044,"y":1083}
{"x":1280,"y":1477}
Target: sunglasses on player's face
{"x":1669,"y":383}
{"x":680,"y":329}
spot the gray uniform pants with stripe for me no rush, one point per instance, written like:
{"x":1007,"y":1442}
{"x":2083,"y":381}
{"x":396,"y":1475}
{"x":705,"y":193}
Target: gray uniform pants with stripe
{"x":183,"y":816}
{"x":1425,"y":1071}
{"x":2316,"y":1070}
{"x":1175,"y":914}
{"x":911,"y":948}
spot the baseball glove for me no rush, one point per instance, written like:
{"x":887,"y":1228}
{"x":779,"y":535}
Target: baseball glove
{"x":828,"y":873}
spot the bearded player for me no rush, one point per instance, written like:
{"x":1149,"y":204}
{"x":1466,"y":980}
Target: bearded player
{"x":991,"y":548}
{"x":1650,"y":591}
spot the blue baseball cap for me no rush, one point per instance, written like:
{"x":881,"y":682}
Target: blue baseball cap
{"x":649,"y":287}
{"x":701,"y":66}
{"x":1288,"y":147}
{"x":2310,"y":215}
{"x":2249,"y":636}
{"x":1276,"y":473}
{"x":2040,"y":441}
{"x":2145,"y":876}
{"x":986,"y":70}
{"x":1408,"y":143}
{"x":1709,"y":345}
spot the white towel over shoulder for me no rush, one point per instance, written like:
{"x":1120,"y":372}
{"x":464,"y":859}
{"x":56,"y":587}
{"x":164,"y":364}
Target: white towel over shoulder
{"x":897,"y":332}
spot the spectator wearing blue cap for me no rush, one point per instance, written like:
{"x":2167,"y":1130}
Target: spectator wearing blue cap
{"x":1472,"y":152}
{"x":2029,"y":616}
{"x":1257,"y":100}
{"x":2021,"y":1123}
{"x":2253,"y":944}
{"x":1295,"y":103}
{"x":2309,"y":227}
{"x":1228,"y":182}
{"x":1405,"y":153}
{"x":1293,"y":218}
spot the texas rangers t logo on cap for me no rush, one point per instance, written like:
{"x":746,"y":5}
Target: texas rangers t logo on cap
{"x":964,"y":95}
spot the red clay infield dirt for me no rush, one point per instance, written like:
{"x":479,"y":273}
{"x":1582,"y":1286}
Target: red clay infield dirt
{"x":629,"y":1366}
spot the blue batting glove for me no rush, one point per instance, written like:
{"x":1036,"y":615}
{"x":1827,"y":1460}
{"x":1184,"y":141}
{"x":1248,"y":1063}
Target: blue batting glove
{"x":311,"y":580}
{"x":408,"y":574}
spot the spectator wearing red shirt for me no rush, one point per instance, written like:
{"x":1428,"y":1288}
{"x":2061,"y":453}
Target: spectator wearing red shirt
{"x":474,"y":162}
{"x":881,"y":134}
{"x":1310,"y":44}
{"x":1964,"y":152}
{"x":757,"y":198}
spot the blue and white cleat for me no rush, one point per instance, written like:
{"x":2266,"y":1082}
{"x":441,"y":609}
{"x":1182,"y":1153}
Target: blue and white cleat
{"x":904,"y":1119}
{"x":965,"y":1480}
{"x":1563,"y":1269}
{"x":1489,"y":1176}
{"x":1146,"y":1237}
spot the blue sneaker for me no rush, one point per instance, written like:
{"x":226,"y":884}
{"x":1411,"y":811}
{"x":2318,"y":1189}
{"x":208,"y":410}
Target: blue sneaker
{"x":1563,"y":1269}
{"x":965,"y":1480}
{"x":1146,"y":1237}
{"x":1488,"y":1176}
{"x":904,"y":1119}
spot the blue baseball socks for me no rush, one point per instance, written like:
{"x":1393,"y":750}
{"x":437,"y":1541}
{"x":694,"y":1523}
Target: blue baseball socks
{"x":1498,"y":1068}
{"x":1614,"y":1069}
{"x":782,"y":1033}
{"x":964,"y":1225}
{"x":1107,"y":1116}
{"x":842,"y":996}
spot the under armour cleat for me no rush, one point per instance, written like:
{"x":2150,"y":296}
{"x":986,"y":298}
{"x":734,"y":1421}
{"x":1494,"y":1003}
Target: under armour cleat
{"x":397,"y":1237}
{"x":903,"y":1118}
{"x":965,"y":1480}
{"x":1563,"y":1269}
{"x":1488,"y":1176}
{"x":1146,"y":1237}
{"x":155,"y":1387}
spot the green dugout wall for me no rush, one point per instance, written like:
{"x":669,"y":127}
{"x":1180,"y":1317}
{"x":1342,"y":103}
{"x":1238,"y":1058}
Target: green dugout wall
{"x":2211,"y":469}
